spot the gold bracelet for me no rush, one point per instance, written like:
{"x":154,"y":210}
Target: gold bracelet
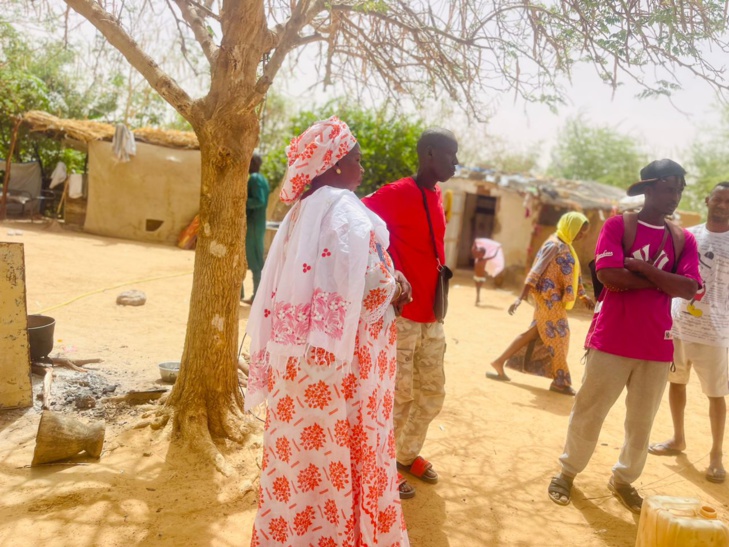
{"x":614,"y":289}
{"x":399,"y":290}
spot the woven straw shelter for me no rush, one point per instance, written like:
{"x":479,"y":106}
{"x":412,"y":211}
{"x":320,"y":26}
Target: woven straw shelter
{"x":151,"y":197}
{"x":79,"y":133}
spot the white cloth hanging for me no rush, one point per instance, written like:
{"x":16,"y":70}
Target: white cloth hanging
{"x":75,"y":186}
{"x":123,"y":143}
{"x":59,"y":175}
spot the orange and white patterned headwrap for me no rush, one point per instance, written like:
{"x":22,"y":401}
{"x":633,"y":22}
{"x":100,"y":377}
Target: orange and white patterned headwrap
{"x":314,"y":152}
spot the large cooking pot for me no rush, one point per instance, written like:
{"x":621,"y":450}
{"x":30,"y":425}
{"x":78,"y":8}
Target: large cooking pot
{"x":40,"y":336}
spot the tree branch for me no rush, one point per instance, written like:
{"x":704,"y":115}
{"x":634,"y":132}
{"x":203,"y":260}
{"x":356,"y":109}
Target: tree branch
{"x":462,"y":47}
{"x":206,"y":10}
{"x":183,"y":42}
{"x":197,"y":24}
{"x":303,"y":13}
{"x":162,"y":83}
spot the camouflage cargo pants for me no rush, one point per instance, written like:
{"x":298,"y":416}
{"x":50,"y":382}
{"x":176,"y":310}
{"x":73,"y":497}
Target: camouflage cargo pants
{"x":420,"y":384}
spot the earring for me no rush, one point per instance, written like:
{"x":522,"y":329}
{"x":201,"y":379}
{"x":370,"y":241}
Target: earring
{"x":339,"y":171}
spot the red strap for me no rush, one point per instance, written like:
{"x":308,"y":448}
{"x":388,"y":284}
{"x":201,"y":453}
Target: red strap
{"x":420,"y":466}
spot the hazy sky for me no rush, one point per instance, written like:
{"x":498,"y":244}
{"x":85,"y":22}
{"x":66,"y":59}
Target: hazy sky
{"x":664,"y":127}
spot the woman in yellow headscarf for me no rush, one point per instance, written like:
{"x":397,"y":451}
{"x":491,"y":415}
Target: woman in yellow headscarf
{"x":555,"y":283}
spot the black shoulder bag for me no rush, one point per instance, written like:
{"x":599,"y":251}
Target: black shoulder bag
{"x":440,"y":306}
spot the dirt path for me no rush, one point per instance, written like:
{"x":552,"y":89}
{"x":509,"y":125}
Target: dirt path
{"x":495,"y":445}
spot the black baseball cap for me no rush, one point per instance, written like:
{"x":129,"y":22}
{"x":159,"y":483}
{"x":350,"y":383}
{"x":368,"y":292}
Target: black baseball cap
{"x":655,"y":170}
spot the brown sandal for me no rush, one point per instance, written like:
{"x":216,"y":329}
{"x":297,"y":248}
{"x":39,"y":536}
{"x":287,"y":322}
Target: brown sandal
{"x":404,"y":488}
{"x":627,"y":495}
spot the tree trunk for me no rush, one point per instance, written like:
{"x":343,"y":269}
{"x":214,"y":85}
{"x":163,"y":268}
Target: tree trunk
{"x":206,"y":398}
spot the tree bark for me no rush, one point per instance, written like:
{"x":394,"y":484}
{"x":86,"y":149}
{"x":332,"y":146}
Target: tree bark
{"x":206,"y":399}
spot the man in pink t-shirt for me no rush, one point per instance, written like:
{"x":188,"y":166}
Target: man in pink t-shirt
{"x":629,"y":344}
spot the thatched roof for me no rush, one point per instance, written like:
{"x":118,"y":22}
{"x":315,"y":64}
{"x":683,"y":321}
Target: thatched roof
{"x":572,"y":194}
{"x":85,"y":131}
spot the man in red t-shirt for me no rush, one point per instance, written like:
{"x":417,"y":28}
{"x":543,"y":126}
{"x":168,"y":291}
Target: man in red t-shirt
{"x":417,"y":253}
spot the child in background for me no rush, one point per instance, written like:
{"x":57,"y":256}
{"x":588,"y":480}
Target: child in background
{"x":488,"y":259}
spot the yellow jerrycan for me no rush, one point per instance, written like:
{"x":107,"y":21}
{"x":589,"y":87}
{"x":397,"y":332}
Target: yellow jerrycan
{"x":667,"y":521}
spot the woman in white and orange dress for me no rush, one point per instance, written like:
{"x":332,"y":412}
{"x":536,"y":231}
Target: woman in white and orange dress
{"x":323,"y":343}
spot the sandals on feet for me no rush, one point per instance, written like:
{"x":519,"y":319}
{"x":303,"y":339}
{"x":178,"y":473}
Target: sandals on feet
{"x":715,"y":475}
{"x":565,"y":390}
{"x":498,"y":377}
{"x":663,"y":449}
{"x":420,"y":468}
{"x":627,"y":495}
{"x":558,"y":489}
{"x":405,"y":490}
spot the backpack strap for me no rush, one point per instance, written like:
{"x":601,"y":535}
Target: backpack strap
{"x":679,"y":241}
{"x":652,"y":259}
{"x":630,"y":228}
{"x":678,"y":238}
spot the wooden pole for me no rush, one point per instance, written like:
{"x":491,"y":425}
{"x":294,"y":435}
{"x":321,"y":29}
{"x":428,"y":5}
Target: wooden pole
{"x":47,"y":379}
{"x":8,"y":162}
{"x":63,"y":199}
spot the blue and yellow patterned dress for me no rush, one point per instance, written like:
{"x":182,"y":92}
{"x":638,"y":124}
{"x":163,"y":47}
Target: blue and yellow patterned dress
{"x":550,"y":278}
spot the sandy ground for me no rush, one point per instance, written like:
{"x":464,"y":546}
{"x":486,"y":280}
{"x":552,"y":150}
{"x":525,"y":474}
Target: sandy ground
{"x":495,"y":445}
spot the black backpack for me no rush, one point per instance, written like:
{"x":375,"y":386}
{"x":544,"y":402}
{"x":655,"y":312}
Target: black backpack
{"x":630,"y":227}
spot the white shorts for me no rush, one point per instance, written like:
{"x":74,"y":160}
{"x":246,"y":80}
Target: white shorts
{"x":479,"y":279}
{"x":711,"y":366}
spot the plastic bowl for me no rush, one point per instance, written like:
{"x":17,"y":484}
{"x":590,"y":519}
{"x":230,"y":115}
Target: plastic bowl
{"x":169,"y":370}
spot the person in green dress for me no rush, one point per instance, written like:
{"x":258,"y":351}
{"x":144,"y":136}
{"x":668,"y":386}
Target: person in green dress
{"x":258,"y":190}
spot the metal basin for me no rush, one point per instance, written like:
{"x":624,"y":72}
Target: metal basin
{"x":169,"y":370}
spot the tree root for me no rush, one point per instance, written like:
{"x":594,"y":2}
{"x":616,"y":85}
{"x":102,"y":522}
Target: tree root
{"x":235,"y":426}
{"x":195,"y":436}
{"x":203,"y":426}
{"x":155,"y":419}
{"x":204,"y":444}
{"x":160,"y":422}
{"x":192,"y":428}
